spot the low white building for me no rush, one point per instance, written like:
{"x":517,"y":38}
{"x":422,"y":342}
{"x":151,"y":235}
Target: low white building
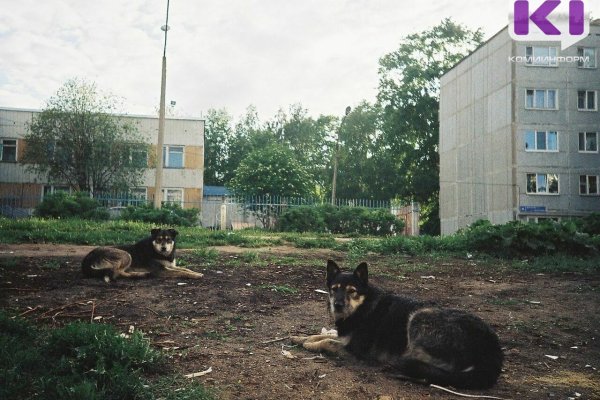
{"x":182,"y":175}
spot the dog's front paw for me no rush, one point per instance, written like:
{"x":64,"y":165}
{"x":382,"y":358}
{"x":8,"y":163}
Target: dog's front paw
{"x":299,"y":339}
{"x":197,"y":275}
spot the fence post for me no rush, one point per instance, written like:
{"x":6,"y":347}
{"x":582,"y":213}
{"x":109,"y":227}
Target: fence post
{"x":223,"y":216}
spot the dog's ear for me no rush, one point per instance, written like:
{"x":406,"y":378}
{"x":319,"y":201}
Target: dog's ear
{"x":154,"y":232}
{"x":173,"y":233}
{"x":332,"y":271}
{"x":362,"y":272}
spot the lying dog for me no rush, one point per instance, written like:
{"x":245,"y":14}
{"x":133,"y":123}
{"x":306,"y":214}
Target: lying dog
{"x":153,"y":256}
{"x":421,"y":342}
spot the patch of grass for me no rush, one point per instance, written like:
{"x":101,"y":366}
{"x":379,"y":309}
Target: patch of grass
{"x":249,"y":256}
{"x":571,"y":379}
{"x":9,"y":262}
{"x":284,"y":289}
{"x":77,"y":361}
{"x":505,"y":302}
{"x":206,"y":254}
{"x":214,"y":335}
{"x":559,"y":263}
{"x":171,"y":388}
{"x":51,"y":265}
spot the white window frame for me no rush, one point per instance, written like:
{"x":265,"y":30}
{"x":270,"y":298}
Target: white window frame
{"x":165,"y":195}
{"x":586,"y":100}
{"x":166,"y":155}
{"x":593,"y":63}
{"x":535,"y":139}
{"x":138,"y":198}
{"x":585,"y":142}
{"x":16,"y":146}
{"x":587,"y":185}
{"x":545,"y":193}
{"x":530,"y":59}
{"x":545,"y":107}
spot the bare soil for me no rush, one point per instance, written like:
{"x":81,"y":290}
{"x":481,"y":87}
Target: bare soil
{"x":230,"y":319}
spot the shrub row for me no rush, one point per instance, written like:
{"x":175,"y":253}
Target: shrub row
{"x":511,"y":240}
{"x":64,"y":205}
{"x":344,"y":220}
{"x":80,"y":205}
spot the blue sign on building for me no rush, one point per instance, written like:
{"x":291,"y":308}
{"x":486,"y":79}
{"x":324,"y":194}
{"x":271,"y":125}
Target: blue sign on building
{"x":533,"y":209}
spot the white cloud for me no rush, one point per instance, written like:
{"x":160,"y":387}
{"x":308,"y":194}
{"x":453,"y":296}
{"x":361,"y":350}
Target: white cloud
{"x":226,"y":53}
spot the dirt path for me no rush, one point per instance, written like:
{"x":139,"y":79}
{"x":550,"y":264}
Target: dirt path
{"x":226,"y":320}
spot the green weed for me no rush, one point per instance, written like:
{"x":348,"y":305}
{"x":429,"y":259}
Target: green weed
{"x":284,"y":289}
{"x":80,"y":361}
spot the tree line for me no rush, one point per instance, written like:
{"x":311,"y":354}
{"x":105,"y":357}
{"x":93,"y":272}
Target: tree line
{"x":386,"y":149}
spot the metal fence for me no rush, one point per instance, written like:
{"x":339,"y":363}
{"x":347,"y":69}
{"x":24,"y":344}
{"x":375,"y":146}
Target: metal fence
{"x":263,"y":211}
{"x":227,"y":212}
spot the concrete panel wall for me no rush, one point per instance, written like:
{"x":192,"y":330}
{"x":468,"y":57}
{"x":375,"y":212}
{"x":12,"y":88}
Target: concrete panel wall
{"x":475,"y":137}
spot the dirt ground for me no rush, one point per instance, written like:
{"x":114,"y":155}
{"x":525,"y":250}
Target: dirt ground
{"x":230,"y":320}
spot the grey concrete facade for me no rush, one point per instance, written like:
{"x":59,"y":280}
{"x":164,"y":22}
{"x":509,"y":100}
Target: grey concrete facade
{"x":488,"y":116}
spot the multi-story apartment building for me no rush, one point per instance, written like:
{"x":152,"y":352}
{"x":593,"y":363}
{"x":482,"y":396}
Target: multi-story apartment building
{"x":519,"y":132}
{"x":183,"y":161}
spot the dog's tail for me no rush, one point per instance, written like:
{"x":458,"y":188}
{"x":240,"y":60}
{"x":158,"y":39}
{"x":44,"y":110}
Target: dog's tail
{"x":481,"y":376}
{"x":100,"y":263}
{"x":481,"y":366}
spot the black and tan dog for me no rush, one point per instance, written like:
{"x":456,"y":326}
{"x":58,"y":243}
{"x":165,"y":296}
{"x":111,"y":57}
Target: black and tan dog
{"x":153,"y":256}
{"x":421,"y":342}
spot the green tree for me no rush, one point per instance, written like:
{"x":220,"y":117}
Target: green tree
{"x":249,"y":134}
{"x":358,"y":176}
{"x":409,"y":97}
{"x":79,"y":141}
{"x":218,"y":134}
{"x":308,"y":138}
{"x":272,"y":171}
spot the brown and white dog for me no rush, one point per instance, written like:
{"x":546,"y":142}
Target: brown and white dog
{"x":153,"y":256}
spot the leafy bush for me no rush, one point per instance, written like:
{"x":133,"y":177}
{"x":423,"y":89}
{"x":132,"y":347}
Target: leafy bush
{"x":168,"y":214}
{"x":344,"y":220}
{"x":77,"y":361}
{"x":590,"y":224}
{"x":64,"y":205}
{"x":302,"y":219}
{"x":516,"y":238}
{"x":83,"y":361}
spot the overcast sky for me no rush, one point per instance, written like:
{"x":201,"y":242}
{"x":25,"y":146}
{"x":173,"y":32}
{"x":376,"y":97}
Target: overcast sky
{"x":220,"y":54}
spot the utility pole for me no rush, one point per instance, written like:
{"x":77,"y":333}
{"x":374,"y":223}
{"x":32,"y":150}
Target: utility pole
{"x":335,"y":159}
{"x":161,"y":121}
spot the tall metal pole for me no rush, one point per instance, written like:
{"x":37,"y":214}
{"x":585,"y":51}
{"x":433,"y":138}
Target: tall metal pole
{"x":335,"y":159}
{"x":161,"y":122}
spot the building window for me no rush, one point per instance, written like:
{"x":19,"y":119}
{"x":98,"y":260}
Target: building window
{"x":138,"y":196}
{"x":586,"y":100}
{"x":542,"y":184}
{"x":173,"y":196}
{"x":173,"y":156}
{"x":138,"y":158}
{"x":588,"y":185}
{"x":541,"y":141}
{"x":537,"y":220}
{"x":542,"y":56}
{"x":588,"y":142}
{"x":8,"y":150}
{"x":587,"y":57}
{"x":541,"y":99}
